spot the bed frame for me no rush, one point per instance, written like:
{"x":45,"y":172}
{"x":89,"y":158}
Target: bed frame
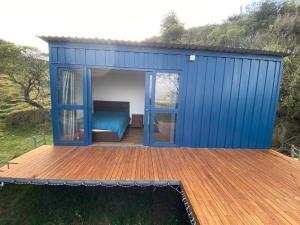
{"x":108,"y":106}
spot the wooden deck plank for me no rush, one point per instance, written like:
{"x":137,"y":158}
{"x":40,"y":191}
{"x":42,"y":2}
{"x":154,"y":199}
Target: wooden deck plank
{"x":222,"y":186}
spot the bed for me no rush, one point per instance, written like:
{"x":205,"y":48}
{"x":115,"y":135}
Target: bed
{"x":109,"y":120}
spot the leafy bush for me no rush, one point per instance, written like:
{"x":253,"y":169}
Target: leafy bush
{"x":30,"y":116}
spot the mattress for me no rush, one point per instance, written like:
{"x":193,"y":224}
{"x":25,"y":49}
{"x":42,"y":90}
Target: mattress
{"x":112,"y":121}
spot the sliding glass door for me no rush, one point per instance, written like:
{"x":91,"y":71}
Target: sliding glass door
{"x":70,"y":110}
{"x":161,"y":107}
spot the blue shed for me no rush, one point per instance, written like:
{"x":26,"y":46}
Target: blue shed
{"x":157,"y":94}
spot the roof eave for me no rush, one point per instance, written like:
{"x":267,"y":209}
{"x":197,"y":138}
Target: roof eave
{"x":51,"y":39}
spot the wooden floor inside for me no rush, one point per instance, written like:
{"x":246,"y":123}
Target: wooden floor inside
{"x":222,"y":186}
{"x":132,"y":136}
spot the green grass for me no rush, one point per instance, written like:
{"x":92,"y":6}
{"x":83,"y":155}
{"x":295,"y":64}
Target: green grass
{"x":25,"y":204}
{"x":16,"y":141}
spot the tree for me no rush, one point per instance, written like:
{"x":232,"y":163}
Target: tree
{"x":171,"y":28}
{"x":262,"y":14}
{"x":27,"y":68}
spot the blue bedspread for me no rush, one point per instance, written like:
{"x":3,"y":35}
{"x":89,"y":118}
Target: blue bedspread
{"x":115,"y":121}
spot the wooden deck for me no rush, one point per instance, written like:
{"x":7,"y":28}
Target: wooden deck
{"x":222,"y":186}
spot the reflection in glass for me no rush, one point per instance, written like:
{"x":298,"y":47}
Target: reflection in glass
{"x":70,"y":87}
{"x":164,"y":127}
{"x":166,"y":90}
{"x":150,"y":86}
{"x":71,"y":125}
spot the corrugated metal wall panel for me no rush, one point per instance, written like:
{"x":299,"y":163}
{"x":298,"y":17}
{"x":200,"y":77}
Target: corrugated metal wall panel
{"x":216,"y":102}
{"x":198,"y":100}
{"x":229,"y":135}
{"x":226,"y":101}
{"x":231,"y":103}
{"x":252,"y":85}
{"x":190,"y":102}
{"x":274,"y":102}
{"x":60,"y":55}
{"x":254,"y":133}
{"x":53,"y":53}
{"x":70,"y":55}
{"x":265,"y":112}
{"x":90,"y":57}
{"x":79,"y":56}
{"x":241,"y":103}
{"x":208,"y":101}
{"x":102,"y":57}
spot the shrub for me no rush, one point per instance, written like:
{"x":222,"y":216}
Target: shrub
{"x":29,"y":116}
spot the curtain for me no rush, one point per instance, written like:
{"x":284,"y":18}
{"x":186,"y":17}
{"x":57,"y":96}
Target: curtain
{"x":68,"y":97}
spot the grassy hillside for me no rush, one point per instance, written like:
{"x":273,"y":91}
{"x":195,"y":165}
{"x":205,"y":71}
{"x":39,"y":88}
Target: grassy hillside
{"x":16,"y":140}
{"x":10,"y":97}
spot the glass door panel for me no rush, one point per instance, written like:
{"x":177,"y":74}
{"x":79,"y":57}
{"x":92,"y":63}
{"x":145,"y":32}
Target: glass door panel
{"x":164,"y":127}
{"x":163,"y":107}
{"x":71,"y":108}
{"x":70,"y":87}
{"x":71,"y":125}
{"x":166,"y":90}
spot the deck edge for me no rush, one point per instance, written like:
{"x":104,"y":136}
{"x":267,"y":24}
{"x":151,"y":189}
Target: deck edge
{"x":142,"y":183}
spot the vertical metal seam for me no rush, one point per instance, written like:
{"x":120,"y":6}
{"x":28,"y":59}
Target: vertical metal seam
{"x":220,"y":108}
{"x":194,"y":101}
{"x":262,"y":100}
{"x":237,"y":103}
{"x":203,"y":98}
{"x":212,"y":100}
{"x":230,"y":101}
{"x":255,"y":96}
{"x":271,"y":102}
{"x":245,"y":105}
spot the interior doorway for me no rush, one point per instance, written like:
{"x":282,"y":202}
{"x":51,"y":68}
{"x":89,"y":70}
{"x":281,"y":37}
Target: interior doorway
{"x":118,"y":103}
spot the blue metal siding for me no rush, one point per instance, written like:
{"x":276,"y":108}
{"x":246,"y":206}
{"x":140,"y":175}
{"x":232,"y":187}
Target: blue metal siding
{"x":208,"y":103}
{"x":241,"y":103}
{"x":189,"y":102}
{"x":229,"y":134}
{"x":103,"y":57}
{"x":216,"y":100}
{"x":264,"y":114}
{"x":226,"y":100}
{"x":274,"y":101}
{"x":198,"y":100}
{"x":230,"y":102}
{"x":225,"y":104}
{"x":250,"y":102}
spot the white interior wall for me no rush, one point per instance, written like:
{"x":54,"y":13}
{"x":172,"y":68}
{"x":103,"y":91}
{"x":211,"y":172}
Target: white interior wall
{"x":116,"y":85}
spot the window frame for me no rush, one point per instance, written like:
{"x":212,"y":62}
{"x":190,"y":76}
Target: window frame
{"x":57,"y":107}
{"x":154,"y":109}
